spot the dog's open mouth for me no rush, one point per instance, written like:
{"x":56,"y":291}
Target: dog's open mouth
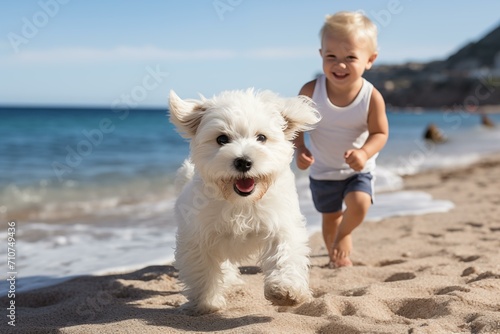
{"x":244,"y":187}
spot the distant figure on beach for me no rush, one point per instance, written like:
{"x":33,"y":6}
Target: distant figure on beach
{"x":353,"y":129}
{"x":486,"y":121}
{"x":433,"y":134}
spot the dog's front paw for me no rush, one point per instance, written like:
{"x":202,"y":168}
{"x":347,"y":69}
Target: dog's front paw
{"x":200,"y":308}
{"x":281,"y":296}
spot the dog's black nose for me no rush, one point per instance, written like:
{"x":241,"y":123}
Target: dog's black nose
{"x":243,"y":164}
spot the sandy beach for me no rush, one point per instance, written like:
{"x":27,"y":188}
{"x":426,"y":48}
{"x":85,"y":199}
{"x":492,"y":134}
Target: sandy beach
{"x":434,"y":273}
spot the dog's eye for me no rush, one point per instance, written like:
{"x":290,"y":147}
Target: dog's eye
{"x":261,"y":138}
{"x":222,"y":140}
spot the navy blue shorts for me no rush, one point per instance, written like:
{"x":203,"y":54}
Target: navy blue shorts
{"x":328,"y":195}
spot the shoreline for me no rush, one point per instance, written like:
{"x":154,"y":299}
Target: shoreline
{"x":432,"y":273}
{"x":482,"y":109}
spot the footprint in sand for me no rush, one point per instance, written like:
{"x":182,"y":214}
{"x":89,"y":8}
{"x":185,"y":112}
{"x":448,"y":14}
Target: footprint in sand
{"x":320,"y":307}
{"x":449,"y":289}
{"x":390,"y":262}
{"x":422,"y":308}
{"x":400,"y":277}
{"x":356,"y":292}
{"x":469,"y":271}
{"x":468,"y":258}
{"x":433,"y":235}
{"x":476,"y":225}
{"x":455,"y":229}
{"x":485,"y":275}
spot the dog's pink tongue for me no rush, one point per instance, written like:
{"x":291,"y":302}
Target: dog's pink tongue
{"x":245,"y":185}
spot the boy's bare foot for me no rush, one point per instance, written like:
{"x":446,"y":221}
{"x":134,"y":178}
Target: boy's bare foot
{"x":345,"y":262}
{"x":340,"y":253}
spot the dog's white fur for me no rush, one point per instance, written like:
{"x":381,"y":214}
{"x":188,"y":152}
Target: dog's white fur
{"x":219,"y":226}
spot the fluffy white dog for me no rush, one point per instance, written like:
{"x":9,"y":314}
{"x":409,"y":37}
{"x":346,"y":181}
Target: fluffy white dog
{"x":238,"y":195}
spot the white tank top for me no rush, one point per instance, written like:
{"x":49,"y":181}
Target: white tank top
{"x":340,"y":129}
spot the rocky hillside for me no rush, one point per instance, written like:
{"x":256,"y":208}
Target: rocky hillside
{"x":480,"y":54}
{"x":466,"y":79}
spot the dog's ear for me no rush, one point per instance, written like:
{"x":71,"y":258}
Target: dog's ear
{"x":300,"y":115}
{"x":185,"y":114}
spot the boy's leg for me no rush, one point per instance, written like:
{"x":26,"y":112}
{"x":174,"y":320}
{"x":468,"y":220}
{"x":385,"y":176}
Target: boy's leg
{"x":331,"y":222}
{"x":357,"y":205}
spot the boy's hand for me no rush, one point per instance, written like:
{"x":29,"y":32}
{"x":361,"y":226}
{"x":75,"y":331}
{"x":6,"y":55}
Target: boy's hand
{"x":304,"y":158}
{"x":356,"y":159}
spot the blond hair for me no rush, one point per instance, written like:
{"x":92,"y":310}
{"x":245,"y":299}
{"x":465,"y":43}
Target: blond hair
{"x":351,"y":24}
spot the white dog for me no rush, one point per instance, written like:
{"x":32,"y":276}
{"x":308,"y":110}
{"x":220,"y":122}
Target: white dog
{"x":239,"y":196}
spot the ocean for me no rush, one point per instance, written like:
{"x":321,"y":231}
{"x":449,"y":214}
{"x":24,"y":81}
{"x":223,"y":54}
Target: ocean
{"x":91,"y":190}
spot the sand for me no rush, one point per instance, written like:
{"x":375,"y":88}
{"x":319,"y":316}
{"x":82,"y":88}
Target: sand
{"x":435,"y":273}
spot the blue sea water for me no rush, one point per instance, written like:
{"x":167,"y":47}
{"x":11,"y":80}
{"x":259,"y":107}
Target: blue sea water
{"x":91,"y":190}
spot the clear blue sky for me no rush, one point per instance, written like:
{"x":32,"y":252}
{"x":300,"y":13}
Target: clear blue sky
{"x":89,"y":52}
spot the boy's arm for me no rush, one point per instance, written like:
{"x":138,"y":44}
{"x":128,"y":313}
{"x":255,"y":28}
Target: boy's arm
{"x":306,"y":90}
{"x":304,"y":158}
{"x":378,"y":129}
{"x":378,"y":125}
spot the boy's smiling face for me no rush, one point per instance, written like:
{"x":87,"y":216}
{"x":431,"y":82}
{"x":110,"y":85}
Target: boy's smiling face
{"x":345,"y":58}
